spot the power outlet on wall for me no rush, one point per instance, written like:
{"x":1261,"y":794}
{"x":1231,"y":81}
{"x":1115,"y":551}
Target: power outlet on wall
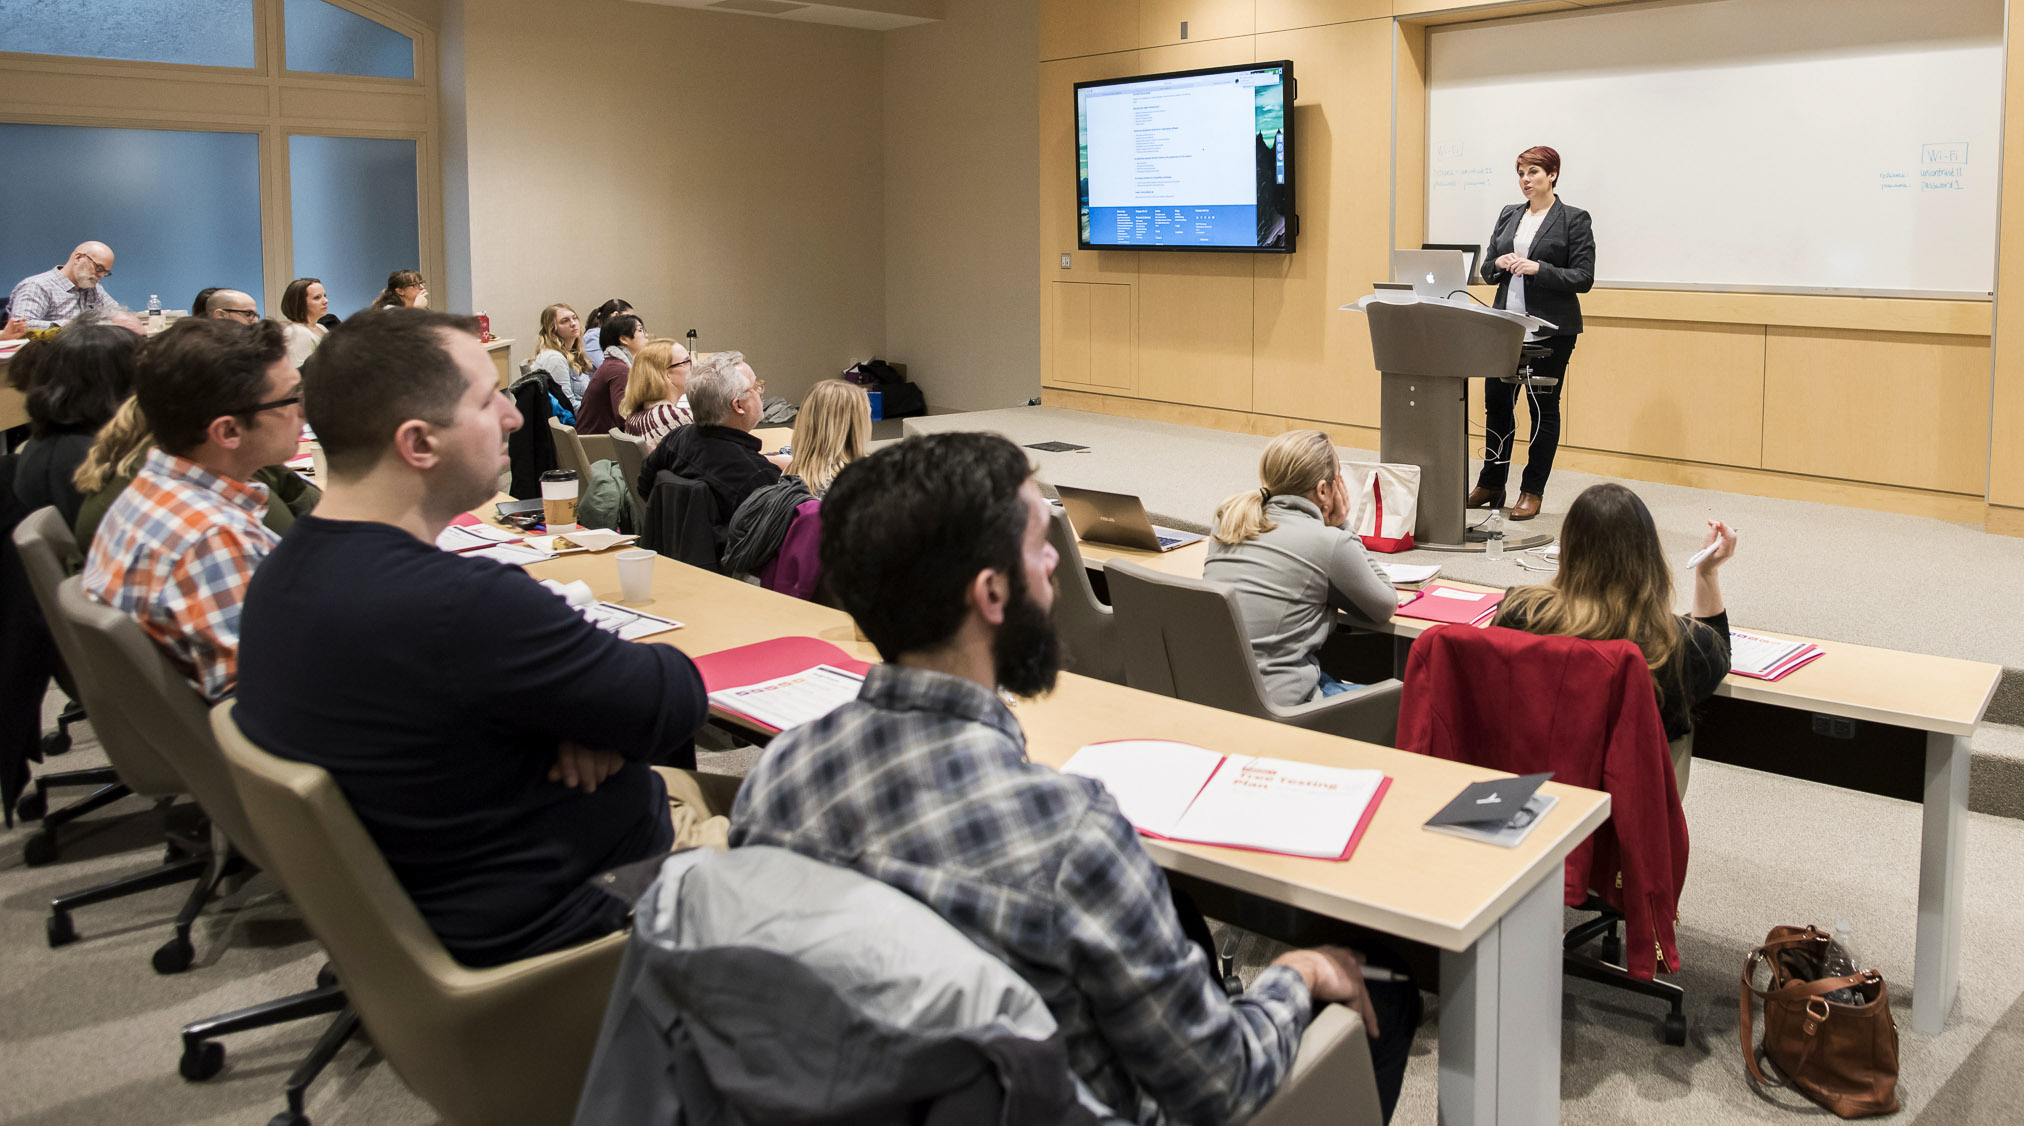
{"x":1065,"y":260}
{"x":1184,"y":29}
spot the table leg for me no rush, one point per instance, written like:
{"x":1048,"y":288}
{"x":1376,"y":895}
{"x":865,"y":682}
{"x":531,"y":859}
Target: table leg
{"x":1500,"y":1019}
{"x":1943,"y":849}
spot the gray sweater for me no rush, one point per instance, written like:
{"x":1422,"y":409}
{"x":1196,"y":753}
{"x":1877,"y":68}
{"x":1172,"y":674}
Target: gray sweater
{"x":1288,"y":582}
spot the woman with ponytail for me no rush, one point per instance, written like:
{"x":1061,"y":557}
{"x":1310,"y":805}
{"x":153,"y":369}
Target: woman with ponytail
{"x":1283,"y":549}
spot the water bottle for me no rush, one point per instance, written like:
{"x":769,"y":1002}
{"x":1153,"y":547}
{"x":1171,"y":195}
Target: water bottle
{"x":154,"y":312}
{"x":1494,"y":546}
{"x":1840,"y":961}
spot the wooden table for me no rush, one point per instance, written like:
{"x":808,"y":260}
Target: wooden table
{"x":772,"y":438}
{"x":1944,"y":697}
{"x":501,"y":351}
{"x":1494,"y":913}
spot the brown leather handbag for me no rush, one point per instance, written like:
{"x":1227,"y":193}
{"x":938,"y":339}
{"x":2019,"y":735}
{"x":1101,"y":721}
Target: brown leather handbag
{"x":1844,"y":1057}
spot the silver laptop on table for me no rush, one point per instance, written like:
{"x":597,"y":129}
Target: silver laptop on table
{"x":1118,"y":519}
{"x":1431,"y":273}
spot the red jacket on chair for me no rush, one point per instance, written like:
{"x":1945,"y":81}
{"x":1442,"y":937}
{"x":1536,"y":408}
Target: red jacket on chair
{"x":1584,"y":710}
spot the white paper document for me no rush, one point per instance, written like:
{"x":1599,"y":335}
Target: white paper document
{"x":1185,"y":793}
{"x":471,"y":537}
{"x":514,"y":554}
{"x":1460,"y":595}
{"x":794,"y":699}
{"x":1751,"y":655}
{"x":1403,"y":574}
{"x":627,"y":623}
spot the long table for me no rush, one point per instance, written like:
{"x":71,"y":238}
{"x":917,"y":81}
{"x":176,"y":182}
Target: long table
{"x":1944,"y":697}
{"x":1494,"y":913}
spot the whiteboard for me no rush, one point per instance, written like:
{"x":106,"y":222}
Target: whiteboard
{"x":1776,"y":145}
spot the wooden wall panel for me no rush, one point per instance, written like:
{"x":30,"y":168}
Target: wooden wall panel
{"x":1287,"y":15}
{"x":1895,"y":408}
{"x":1073,"y":28}
{"x":1092,"y":336}
{"x":1160,"y":20}
{"x":1312,"y":360}
{"x":1056,"y":169}
{"x":1668,"y":389}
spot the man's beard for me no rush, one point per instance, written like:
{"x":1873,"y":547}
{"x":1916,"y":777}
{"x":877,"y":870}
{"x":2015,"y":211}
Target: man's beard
{"x":1026,"y":652}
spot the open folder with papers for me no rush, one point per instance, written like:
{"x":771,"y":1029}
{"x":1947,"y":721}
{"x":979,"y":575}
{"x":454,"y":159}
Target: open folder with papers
{"x":1181,"y":792}
{"x":781,"y":683}
{"x":1767,"y":658}
{"x":1450,"y":604}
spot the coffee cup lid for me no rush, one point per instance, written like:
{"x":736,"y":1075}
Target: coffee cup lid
{"x":559,"y":475}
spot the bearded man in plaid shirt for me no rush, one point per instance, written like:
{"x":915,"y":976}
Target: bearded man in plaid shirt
{"x":179,"y":545}
{"x":938,"y":547}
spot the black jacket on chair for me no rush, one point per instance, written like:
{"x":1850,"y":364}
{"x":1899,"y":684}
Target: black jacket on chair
{"x":1564,"y":247}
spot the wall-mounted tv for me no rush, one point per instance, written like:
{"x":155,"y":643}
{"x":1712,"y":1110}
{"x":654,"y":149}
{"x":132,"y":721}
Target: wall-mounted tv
{"x":1190,"y":160}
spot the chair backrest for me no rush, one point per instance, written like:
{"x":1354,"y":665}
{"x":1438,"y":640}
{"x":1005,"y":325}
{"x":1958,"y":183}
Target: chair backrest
{"x":568,"y":448}
{"x":678,"y":522}
{"x":596,"y":448}
{"x":1184,"y":638}
{"x":144,"y":699}
{"x":46,"y":547}
{"x":630,"y":451}
{"x":1089,"y":635}
{"x":510,"y":1043}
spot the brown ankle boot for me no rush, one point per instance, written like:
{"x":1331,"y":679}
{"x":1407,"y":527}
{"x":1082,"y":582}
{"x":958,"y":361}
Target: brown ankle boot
{"x":1527,"y":506}
{"x":1480,"y":497}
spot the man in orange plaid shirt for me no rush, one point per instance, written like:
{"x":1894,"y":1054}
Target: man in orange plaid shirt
{"x":179,"y":545}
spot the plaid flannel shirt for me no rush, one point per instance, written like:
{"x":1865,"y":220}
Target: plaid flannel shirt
{"x":49,"y":298}
{"x":923,"y":783}
{"x":176,"y":551}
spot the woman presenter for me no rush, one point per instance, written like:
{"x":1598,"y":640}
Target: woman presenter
{"x":1541,"y":254}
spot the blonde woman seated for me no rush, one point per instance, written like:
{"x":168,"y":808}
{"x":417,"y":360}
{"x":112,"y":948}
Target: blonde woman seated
{"x":1284,"y":551}
{"x":123,"y":444}
{"x":654,"y":403}
{"x":830,"y":432}
{"x":1614,"y":583}
{"x":561,"y":356}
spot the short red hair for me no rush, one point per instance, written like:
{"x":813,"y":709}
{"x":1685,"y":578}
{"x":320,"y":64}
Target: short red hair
{"x":1543,"y":157}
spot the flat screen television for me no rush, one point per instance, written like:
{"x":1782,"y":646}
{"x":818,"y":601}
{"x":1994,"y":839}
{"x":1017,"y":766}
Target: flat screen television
{"x":1189,"y":160}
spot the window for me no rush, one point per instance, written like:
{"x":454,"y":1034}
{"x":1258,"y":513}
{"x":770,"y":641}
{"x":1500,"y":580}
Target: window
{"x":195,"y":32}
{"x":356,"y":214}
{"x":180,"y":210}
{"x":326,"y":39}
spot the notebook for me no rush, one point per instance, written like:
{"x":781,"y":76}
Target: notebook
{"x":1184,"y":793}
{"x":1501,"y":811}
{"x":769,"y":683}
{"x":1449,"y":604}
{"x":1768,"y":658}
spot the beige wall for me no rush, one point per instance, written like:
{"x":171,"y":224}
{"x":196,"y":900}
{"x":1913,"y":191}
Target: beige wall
{"x":721,"y":172}
{"x":961,"y":209}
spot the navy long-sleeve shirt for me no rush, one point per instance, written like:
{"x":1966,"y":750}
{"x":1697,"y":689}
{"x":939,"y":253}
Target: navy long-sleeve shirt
{"x":435,"y":689}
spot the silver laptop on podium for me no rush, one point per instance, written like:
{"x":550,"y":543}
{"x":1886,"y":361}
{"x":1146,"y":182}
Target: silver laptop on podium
{"x":1118,"y":519}
{"x":1431,"y":273}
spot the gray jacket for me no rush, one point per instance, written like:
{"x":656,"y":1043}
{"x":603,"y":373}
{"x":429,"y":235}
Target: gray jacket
{"x":762,"y":986}
{"x":1288,"y":583}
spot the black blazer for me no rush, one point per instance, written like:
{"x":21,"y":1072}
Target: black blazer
{"x":1564,"y":247}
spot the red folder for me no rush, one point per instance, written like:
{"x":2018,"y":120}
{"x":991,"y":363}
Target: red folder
{"x":1431,"y":607}
{"x":764,"y":660}
{"x":465,"y":520}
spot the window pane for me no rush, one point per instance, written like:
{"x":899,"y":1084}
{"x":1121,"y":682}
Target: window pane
{"x":199,"y":32}
{"x":326,"y":39}
{"x":181,"y":211}
{"x":356,"y":214}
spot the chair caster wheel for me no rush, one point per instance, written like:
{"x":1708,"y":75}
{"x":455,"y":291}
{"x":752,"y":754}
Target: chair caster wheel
{"x":61,"y":931}
{"x":32,"y":806}
{"x":174,"y":956}
{"x":1675,"y":1030}
{"x":55,"y":743}
{"x":201,"y":1060}
{"x":326,"y":976}
{"x":289,"y":1118}
{"x":39,"y":850}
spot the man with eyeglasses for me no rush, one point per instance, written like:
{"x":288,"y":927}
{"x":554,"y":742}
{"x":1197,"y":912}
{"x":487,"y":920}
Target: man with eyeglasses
{"x":53,"y":297}
{"x":725,"y":398}
{"x":178,"y":547}
{"x":232,"y":305}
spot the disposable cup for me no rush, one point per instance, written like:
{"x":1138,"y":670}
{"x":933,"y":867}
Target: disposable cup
{"x":635,"y":576}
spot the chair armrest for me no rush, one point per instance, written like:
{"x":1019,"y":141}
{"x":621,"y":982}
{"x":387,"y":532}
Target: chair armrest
{"x":1370,"y":713}
{"x":1331,"y":1079}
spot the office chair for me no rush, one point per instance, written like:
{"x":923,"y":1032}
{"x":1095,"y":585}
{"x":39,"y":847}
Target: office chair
{"x":569,"y":450}
{"x":1184,"y":638}
{"x":508,"y":1043}
{"x":630,"y":452}
{"x":1090,"y":640}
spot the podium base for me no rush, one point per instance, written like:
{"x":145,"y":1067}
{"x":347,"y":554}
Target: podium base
{"x":1477,"y":540}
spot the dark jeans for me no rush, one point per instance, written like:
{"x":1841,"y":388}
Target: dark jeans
{"x":1500,"y":422}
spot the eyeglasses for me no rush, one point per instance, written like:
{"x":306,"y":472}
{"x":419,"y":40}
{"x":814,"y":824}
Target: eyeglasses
{"x":759,"y":387}
{"x":271,"y":405}
{"x":104,"y":271}
{"x":250,"y":315}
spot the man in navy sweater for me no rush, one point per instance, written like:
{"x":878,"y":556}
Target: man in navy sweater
{"x":500,"y":749}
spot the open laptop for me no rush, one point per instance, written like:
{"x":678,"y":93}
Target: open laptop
{"x":1432,"y":273}
{"x":1118,"y":519}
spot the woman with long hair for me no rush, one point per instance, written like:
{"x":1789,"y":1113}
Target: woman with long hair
{"x":303,"y":304}
{"x":653,"y":405}
{"x":1614,"y":583}
{"x":593,"y":329}
{"x":405,"y":290}
{"x":830,"y":432}
{"x":560,"y":352}
{"x":1284,"y":550}
{"x":78,"y":378}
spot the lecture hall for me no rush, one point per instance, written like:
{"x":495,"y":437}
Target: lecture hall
{"x":1081,"y":561}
